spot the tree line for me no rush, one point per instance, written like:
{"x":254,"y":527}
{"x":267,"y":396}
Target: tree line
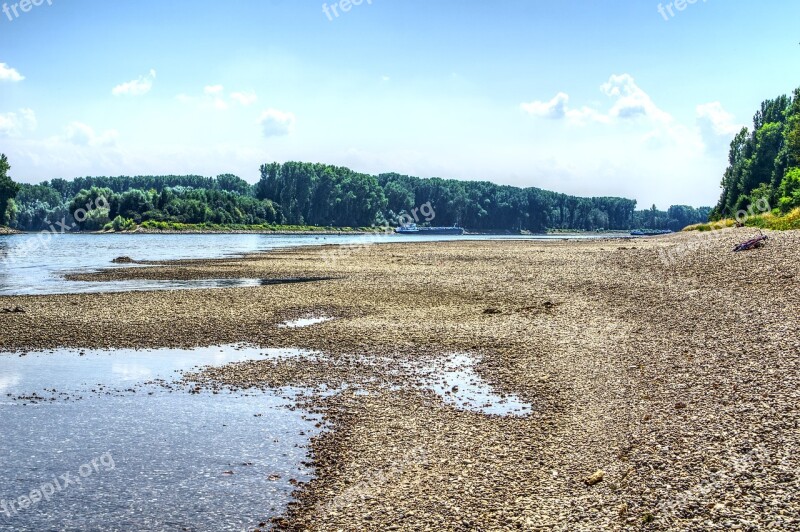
{"x":308,"y":194}
{"x":321,"y":194}
{"x":764,"y":164}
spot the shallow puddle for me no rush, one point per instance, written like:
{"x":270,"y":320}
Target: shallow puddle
{"x":142,"y":452}
{"x":140,"y":285}
{"x":457,"y":382}
{"x":304,"y":322}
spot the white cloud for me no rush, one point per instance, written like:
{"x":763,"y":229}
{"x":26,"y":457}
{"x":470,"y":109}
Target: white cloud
{"x":713,"y":119}
{"x":217,"y":95}
{"x":639,"y":149}
{"x":555,"y":108}
{"x":136,"y":87}
{"x":276,"y":123}
{"x":630,"y":102}
{"x":82,"y":134}
{"x":9,"y":74}
{"x":244,"y":98}
{"x":558,"y":108}
{"x":15,"y":124}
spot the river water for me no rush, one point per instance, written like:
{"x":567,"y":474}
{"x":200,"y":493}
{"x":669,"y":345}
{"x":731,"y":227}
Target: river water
{"x":33,"y":264}
{"x":117,"y":444}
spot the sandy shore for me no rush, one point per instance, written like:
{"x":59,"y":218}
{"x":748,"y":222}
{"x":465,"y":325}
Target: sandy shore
{"x":671,"y":365}
{"x":8,"y":231}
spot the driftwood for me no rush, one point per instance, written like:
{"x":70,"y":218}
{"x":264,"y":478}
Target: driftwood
{"x":753,"y":243}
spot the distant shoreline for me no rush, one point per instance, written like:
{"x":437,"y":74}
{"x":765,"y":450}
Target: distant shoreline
{"x":277,"y":232}
{"x":301,"y":232}
{"x":555,"y":234}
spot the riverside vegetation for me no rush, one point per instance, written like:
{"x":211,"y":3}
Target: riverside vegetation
{"x":764,"y":166}
{"x":312,"y":196}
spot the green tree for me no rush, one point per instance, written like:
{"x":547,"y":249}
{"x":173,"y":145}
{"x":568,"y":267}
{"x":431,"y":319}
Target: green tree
{"x":789,"y":191}
{"x":232,"y":183}
{"x":90,"y":208}
{"x":760,"y":160}
{"x":8,"y":190}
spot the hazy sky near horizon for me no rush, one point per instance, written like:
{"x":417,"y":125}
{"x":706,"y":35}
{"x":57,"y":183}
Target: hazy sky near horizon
{"x":583,"y":97}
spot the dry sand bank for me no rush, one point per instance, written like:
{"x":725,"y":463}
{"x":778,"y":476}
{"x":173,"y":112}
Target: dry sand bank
{"x":676,"y":374}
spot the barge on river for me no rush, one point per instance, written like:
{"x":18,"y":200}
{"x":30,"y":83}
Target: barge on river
{"x":413,"y":229}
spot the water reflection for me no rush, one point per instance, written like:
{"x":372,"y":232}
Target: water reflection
{"x":183,"y":461}
{"x":139,"y":285}
{"x":29,"y":265}
{"x":457,"y":382}
{"x":304,"y":322}
{"x":8,"y":381}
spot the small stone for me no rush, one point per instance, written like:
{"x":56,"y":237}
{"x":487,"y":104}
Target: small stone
{"x":595,"y":478}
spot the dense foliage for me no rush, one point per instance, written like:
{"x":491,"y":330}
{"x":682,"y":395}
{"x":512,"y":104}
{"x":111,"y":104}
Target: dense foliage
{"x":321,"y":195}
{"x":318,"y":194}
{"x":8,"y":190}
{"x":222,"y":200}
{"x":764,"y":164}
{"x":305,"y":194}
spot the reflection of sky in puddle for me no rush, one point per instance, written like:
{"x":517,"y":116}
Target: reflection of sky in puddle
{"x":304,"y":322}
{"x":74,"y":370}
{"x":457,"y":382}
{"x":8,"y":381}
{"x":142,"y":285}
{"x":172,"y":449}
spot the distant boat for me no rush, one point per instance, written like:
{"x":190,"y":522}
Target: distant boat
{"x":413,"y":229}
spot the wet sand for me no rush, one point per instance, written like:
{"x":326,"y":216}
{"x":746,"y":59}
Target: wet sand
{"x":665,"y":368}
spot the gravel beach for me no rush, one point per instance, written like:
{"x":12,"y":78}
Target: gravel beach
{"x":662,"y":374}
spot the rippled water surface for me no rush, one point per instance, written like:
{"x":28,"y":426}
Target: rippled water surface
{"x":35,"y":264}
{"x":156,"y":456}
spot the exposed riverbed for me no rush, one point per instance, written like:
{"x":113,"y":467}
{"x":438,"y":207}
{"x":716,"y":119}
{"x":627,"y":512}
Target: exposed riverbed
{"x":36,"y":263}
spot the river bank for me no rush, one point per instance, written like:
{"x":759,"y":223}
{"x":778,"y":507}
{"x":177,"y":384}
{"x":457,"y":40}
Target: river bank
{"x":197,"y":229}
{"x":669,"y":364}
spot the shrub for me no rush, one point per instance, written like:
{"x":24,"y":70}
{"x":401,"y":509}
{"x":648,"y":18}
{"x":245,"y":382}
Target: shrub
{"x":122,"y":224}
{"x":778,"y":223}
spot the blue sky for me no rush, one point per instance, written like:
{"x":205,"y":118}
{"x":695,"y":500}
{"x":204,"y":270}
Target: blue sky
{"x":585,"y":97}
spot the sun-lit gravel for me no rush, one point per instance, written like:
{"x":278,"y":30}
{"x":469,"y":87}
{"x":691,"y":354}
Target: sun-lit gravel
{"x":663,"y":375}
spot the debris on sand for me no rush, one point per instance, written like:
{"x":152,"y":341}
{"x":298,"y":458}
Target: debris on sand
{"x":595,"y":478}
{"x":753,"y":243}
